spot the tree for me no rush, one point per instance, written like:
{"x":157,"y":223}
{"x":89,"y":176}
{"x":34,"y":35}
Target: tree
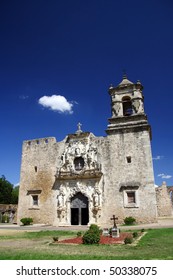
{"x":6,"y":189}
{"x":15,"y":195}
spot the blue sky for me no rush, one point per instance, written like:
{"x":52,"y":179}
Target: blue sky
{"x":75,"y":49}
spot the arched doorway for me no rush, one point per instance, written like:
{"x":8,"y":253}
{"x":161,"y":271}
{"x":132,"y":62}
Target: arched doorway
{"x":79,"y":210}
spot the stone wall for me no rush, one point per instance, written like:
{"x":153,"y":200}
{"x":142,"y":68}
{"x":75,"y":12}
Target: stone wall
{"x":164,"y":204}
{"x":10,"y":211}
{"x":38,"y":170}
{"x":170,"y":191}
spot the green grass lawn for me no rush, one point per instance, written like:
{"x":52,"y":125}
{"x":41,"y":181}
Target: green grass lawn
{"x":155,"y":244}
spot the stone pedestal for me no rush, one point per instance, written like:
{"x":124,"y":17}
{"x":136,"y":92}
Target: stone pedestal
{"x":105,"y":232}
{"x":115,"y":232}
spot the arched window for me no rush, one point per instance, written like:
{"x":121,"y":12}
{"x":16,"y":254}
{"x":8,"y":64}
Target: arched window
{"x":127,"y":106}
{"x":78,"y":163}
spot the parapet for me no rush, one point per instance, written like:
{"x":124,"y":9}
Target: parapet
{"x":40,"y":142}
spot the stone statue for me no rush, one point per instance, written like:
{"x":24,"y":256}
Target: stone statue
{"x":60,"y":201}
{"x":77,"y":151}
{"x":93,"y":152}
{"x":96,"y":200}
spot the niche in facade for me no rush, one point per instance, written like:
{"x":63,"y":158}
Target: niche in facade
{"x":78,"y":163}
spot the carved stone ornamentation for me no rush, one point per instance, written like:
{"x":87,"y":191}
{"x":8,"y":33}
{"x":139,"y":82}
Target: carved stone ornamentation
{"x":116,"y":108}
{"x":79,"y":160}
{"x":138,"y":106}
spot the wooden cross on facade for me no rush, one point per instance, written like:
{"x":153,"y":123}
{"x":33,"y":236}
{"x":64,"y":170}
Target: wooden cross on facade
{"x":113,"y":219}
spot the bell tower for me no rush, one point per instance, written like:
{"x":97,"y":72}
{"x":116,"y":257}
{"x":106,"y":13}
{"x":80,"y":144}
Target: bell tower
{"x":130,"y":176}
{"x":127,"y":104}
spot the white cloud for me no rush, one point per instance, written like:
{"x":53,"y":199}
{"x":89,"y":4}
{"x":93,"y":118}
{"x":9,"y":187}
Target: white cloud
{"x":23,"y":97}
{"x":56,"y":103}
{"x":160,"y":175}
{"x":164,"y":176}
{"x":158,"y":157}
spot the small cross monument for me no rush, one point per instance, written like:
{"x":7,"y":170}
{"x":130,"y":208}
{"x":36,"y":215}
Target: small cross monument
{"x":115,"y":231}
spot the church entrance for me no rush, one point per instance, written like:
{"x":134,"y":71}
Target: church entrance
{"x":79,"y":210}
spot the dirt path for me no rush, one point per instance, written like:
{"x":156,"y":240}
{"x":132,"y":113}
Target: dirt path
{"x":164,"y":222}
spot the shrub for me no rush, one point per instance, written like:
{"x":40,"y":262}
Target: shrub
{"x":142,"y":230}
{"x":79,"y":233}
{"x":129,"y":220}
{"x":92,"y":236}
{"x":55,"y":238}
{"x":128,"y":240}
{"x":26,"y":221}
{"x":110,"y":231}
{"x":94,"y":228}
{"x":135,"y":234}
{"x":5,"y":219}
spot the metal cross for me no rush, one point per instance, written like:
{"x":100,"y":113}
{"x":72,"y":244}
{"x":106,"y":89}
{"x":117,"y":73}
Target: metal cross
{"x":114,"y":218}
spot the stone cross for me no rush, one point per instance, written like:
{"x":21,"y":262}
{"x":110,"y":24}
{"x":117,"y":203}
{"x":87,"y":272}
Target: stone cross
{"x":114,"y":218}
{"x":79,"y":128}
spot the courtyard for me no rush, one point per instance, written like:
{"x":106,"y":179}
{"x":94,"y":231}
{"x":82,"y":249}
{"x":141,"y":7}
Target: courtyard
{"x":36,"y":243}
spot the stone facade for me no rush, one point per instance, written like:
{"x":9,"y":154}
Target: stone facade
{"x":86,"y":179}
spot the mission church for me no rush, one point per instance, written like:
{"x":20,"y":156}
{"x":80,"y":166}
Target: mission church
{"x":85,"y":179}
